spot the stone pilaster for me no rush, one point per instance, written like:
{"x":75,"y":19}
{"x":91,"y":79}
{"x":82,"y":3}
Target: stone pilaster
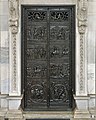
{"x":14,"y":98}
{"x":13,"y":36}
{"x":81,"y":83}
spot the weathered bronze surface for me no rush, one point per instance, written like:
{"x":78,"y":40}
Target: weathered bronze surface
{"x":48,"y":57}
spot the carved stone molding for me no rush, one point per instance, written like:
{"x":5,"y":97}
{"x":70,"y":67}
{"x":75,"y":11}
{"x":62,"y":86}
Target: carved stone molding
{"x":13,"y":25}
{"x":82,"y":24}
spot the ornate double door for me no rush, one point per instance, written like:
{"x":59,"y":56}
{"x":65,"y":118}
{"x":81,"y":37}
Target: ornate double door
{"x":48,"y":47}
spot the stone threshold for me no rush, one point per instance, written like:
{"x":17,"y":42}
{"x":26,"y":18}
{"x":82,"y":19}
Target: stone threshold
{"x":58,"y":115}
{"x":49,"y":119}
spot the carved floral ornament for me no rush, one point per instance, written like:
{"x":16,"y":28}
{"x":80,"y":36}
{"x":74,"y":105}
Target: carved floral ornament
{"x":82,"y":24}
{"x":82,"y":15}
{"x":14,"y":15}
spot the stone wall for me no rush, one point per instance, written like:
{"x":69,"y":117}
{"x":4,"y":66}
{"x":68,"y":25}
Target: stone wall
{"x":4,"y":52}
{"x":91,"y":46}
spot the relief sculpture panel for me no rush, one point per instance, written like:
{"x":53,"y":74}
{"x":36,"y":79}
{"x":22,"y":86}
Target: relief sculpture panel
{"x":59,"y":71}
{"x":59,"y":33}
{"x":59,"y":15}
{"x":36,"y":71}
{"x":37,"y":15}
{"x":37,"y":52}
{"x":59,"y":93}
{"x":37,"y":33}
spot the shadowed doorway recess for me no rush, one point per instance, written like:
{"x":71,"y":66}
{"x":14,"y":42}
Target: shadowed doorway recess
{"x":48,"y":57}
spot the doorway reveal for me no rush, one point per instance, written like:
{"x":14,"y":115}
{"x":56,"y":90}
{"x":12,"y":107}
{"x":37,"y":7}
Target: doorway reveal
{"x":48,"y":57}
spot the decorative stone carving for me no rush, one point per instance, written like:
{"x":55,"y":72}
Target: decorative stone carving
{"x":81,"y":97}
{"x":13,"y":24}
{"x":82,"y":24}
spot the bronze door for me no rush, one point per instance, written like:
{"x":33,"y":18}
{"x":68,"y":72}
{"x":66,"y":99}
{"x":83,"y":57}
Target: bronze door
{"x":48,"y":57}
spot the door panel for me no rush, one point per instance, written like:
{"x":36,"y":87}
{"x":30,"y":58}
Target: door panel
{"x":59,"y":58}
{"x":48,"y":45}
